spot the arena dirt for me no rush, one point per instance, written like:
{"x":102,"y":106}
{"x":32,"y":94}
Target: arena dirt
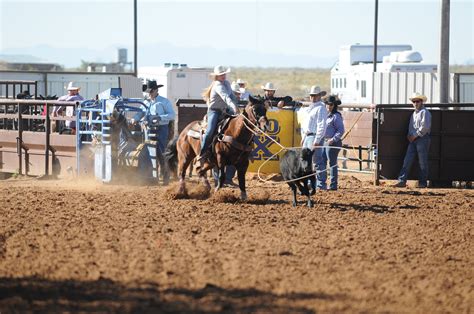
{"x":84,"y":246}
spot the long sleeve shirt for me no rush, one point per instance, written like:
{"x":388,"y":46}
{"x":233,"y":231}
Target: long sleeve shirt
{"x":334,"y":127}
{"x":316,"y":121}
{"x":420,"y":123}
{"x":163,"y":108}
{"x":222,"y":97}
{"x":69,"y":109}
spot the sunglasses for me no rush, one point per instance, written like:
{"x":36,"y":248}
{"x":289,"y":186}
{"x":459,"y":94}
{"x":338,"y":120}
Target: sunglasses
{"x":416,"y":101}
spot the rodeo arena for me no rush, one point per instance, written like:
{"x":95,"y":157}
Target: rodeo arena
{"x":355,"y":199}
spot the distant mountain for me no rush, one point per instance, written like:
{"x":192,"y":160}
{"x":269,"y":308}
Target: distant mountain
{"x":157,"y":54}
{"x":14,"y":58}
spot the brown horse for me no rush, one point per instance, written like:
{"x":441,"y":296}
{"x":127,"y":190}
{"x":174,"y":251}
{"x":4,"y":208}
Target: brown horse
{"x":232,"y":147}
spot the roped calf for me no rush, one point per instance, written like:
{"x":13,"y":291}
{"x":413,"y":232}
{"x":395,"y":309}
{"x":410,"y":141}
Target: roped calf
{"x":297,"y":164}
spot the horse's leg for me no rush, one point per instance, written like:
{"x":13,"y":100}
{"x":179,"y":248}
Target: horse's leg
{"x":220,"y":172}
{"x":183,"y":163}
{"x":241,"y":170}
{"x":190,"y":173}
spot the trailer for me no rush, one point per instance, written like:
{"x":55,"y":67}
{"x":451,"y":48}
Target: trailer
{"x":353,"y":79}
{"x":54,"y":83}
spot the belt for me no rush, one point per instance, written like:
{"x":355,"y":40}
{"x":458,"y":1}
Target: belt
{"x":310,"y":134}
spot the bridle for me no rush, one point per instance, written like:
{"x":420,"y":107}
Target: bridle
{"x":254,"y":120}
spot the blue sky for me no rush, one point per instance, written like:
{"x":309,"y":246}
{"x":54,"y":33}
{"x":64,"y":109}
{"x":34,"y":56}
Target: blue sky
{"x":232,"y":30}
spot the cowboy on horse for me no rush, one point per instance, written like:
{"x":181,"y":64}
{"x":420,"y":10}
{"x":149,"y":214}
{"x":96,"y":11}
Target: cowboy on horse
{"x":221,"y":101}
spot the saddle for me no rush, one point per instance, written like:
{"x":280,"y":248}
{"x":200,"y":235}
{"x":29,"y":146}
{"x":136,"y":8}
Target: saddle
{"x":198,"y":129}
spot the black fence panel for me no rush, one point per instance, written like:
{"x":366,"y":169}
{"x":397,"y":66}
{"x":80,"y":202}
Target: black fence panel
{"x":451,"y":156}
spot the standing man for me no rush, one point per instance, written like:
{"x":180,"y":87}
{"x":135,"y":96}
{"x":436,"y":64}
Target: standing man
{"x":160,"y":114}
{"x":72,"y":95}
{"x":419,"y":129}
{"x":313,"y":133}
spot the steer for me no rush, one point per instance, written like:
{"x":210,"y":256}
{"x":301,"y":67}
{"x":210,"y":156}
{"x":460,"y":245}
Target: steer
{"x":296,"y":164}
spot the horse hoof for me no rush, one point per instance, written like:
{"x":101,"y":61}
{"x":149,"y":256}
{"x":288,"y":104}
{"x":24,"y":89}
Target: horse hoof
{"x":293,"y":204}
{"x":243,"y":196}
{"x":310,"y":204}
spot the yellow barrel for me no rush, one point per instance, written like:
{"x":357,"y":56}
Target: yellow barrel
{"x":281,"y":130}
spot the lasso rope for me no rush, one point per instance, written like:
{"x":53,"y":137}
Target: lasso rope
{"x":282,"y":148}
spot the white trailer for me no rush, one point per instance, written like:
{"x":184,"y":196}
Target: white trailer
{"x":179,"y":80}
{"x":353,"y":79}
{"x":91,"y":84}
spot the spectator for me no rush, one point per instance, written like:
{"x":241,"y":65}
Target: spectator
{"x":419,"y":129}
{"x":72,"y":95}
{"x":160,"y":114}
{"x":220,"y":101}
{"x":313,"y":132}
{"x":332,"y":138}
{"x":244,"y":93}
{"x":269,"y":90}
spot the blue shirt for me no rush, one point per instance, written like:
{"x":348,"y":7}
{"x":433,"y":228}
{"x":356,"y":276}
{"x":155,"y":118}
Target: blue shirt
{"x":162,"y":107}
{"x":334,"y":127}
{"x":420,"y":123}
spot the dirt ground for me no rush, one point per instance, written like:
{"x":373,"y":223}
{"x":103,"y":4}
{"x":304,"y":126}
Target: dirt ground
{"x":83,"y":246}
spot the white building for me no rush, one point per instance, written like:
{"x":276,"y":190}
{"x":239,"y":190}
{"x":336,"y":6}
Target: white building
{"x":352,"y":77}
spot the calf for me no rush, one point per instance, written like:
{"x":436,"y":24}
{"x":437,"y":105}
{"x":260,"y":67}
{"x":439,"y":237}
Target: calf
{"x":296,"y":164}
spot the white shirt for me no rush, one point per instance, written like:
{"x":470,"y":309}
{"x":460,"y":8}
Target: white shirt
{"x":316,"y":121}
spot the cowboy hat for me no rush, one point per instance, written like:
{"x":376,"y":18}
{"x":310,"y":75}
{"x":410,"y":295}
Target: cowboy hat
{"x":71,"y":86}
{"x":219,"y":70}
{"x":237,"y":89}
{"x":418,"y":96}
{"x":269,"y":86}
{"x":332,"y":99}
{"x":151,"y":85}
{"x":240,"y":81}
{"x":316,"y":90}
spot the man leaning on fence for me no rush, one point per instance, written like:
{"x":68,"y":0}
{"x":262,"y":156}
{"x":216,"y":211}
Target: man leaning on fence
{"x":419,"y":129}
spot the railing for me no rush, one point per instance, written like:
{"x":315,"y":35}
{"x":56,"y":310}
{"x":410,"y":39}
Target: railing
{"x":22,"y":86}
{"x":11,"y":111}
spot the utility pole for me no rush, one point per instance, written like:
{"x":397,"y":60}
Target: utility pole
{"x":135,"y":38}
{"x":375,"y":33}
{"x":443,"y":67}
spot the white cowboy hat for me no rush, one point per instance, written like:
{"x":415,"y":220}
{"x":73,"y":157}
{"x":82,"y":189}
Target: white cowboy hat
{"x":316,"y":90}
{"x":269,"y":86}
{"x":71,"y":86}
{"x":237,"y":89}
{"x":219,"y":70}
{"x":418,"y":96}
{"x":240,"y":81}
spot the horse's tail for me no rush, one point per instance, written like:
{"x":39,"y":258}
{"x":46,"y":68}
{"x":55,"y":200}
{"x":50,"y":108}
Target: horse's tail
{"x":171,"y":155}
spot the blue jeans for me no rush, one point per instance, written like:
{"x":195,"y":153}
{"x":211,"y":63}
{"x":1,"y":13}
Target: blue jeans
{"x":162,"y":141}
{"x":318,"y":161}
{"x":420,"y":147}
{"x":213,"y":117}
{"x":229,"y":174}
{"x":330,"y":154}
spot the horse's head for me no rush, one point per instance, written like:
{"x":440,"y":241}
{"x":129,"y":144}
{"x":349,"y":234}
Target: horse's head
{"x":256,"y":110}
